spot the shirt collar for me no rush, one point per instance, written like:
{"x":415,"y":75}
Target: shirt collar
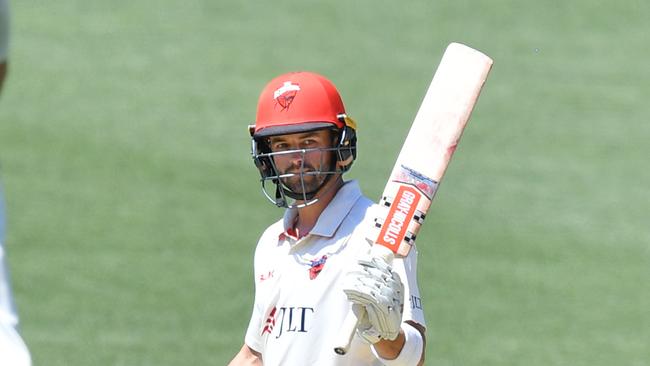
{"x":332,"y":217}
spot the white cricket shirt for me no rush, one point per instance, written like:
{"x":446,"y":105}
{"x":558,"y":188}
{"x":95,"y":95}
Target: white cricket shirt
{"x":299,"y":302}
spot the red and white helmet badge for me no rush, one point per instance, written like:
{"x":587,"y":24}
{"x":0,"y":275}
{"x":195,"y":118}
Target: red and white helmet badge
{"x":284,"y":95}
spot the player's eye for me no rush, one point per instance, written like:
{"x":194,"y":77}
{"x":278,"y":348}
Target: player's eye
{"x":279,"y":146}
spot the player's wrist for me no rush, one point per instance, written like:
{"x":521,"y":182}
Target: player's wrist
{"x":388,"y":349}
{"x":391,"y":353}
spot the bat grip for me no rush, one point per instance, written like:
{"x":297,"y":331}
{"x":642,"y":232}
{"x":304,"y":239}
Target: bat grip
{"x":342,"y":345}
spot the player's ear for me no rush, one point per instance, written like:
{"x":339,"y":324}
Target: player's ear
{"x":346,"y":147}
{"x":344,"y":164}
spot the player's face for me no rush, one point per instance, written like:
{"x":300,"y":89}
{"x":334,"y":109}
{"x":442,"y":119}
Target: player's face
{"x":302,"y":153}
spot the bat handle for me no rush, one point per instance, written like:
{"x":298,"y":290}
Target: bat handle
{"x":343,"y":341}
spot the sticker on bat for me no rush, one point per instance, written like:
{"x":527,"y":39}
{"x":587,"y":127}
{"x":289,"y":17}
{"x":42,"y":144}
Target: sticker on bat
{"x":399,"y":216}
{"x":426,"y":185}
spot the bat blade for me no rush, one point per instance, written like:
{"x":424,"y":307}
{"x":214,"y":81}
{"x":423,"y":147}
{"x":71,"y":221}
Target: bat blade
{"x":430,"y":144}
{"x":423,"y":159}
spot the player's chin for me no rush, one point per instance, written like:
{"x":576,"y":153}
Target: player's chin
{"x":307,"y":184}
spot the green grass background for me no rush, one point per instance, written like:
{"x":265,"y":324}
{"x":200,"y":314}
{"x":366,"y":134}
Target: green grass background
{"x":134,"y":207}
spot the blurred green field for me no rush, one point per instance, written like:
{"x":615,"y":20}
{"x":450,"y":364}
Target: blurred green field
{"x":134,"y":207}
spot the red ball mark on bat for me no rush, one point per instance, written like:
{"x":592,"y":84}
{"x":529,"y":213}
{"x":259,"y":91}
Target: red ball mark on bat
{"x":425,"y":188}
{"x":451,"y":149}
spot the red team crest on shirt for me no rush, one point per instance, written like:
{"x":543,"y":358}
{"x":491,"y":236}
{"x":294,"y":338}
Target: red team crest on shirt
{"x":316,"y":266}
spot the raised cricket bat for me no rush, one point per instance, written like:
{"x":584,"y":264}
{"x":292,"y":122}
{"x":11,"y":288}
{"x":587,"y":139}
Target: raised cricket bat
{"x":424,"y":157}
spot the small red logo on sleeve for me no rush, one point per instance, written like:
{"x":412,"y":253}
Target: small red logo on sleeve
{"x":268,"y":275}
{"x":270,"y":322}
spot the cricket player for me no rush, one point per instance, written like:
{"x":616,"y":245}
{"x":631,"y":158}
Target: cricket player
{"x":4,"y":39}
{"x":311,"y":266}
{"x":13,"y":351}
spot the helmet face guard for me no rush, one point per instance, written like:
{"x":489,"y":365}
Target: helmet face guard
{"x":302,"y":186}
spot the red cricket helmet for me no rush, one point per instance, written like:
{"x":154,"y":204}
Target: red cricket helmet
{"x":298,"y":102}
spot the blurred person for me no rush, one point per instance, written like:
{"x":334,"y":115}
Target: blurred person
{"x":13,"y":351}
{"x":4,"y":40}
{"x":312,"y":265}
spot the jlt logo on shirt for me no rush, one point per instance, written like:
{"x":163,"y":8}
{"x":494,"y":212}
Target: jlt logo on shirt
{"x":290,"y":319}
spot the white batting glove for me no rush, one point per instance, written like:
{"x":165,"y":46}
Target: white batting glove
{"x":375,"y":287}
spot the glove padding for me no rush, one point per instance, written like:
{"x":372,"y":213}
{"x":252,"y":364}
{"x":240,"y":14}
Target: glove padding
{"x":375,"y":287}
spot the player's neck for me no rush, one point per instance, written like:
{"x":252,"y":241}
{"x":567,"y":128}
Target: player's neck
{"x":308,"y":215}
